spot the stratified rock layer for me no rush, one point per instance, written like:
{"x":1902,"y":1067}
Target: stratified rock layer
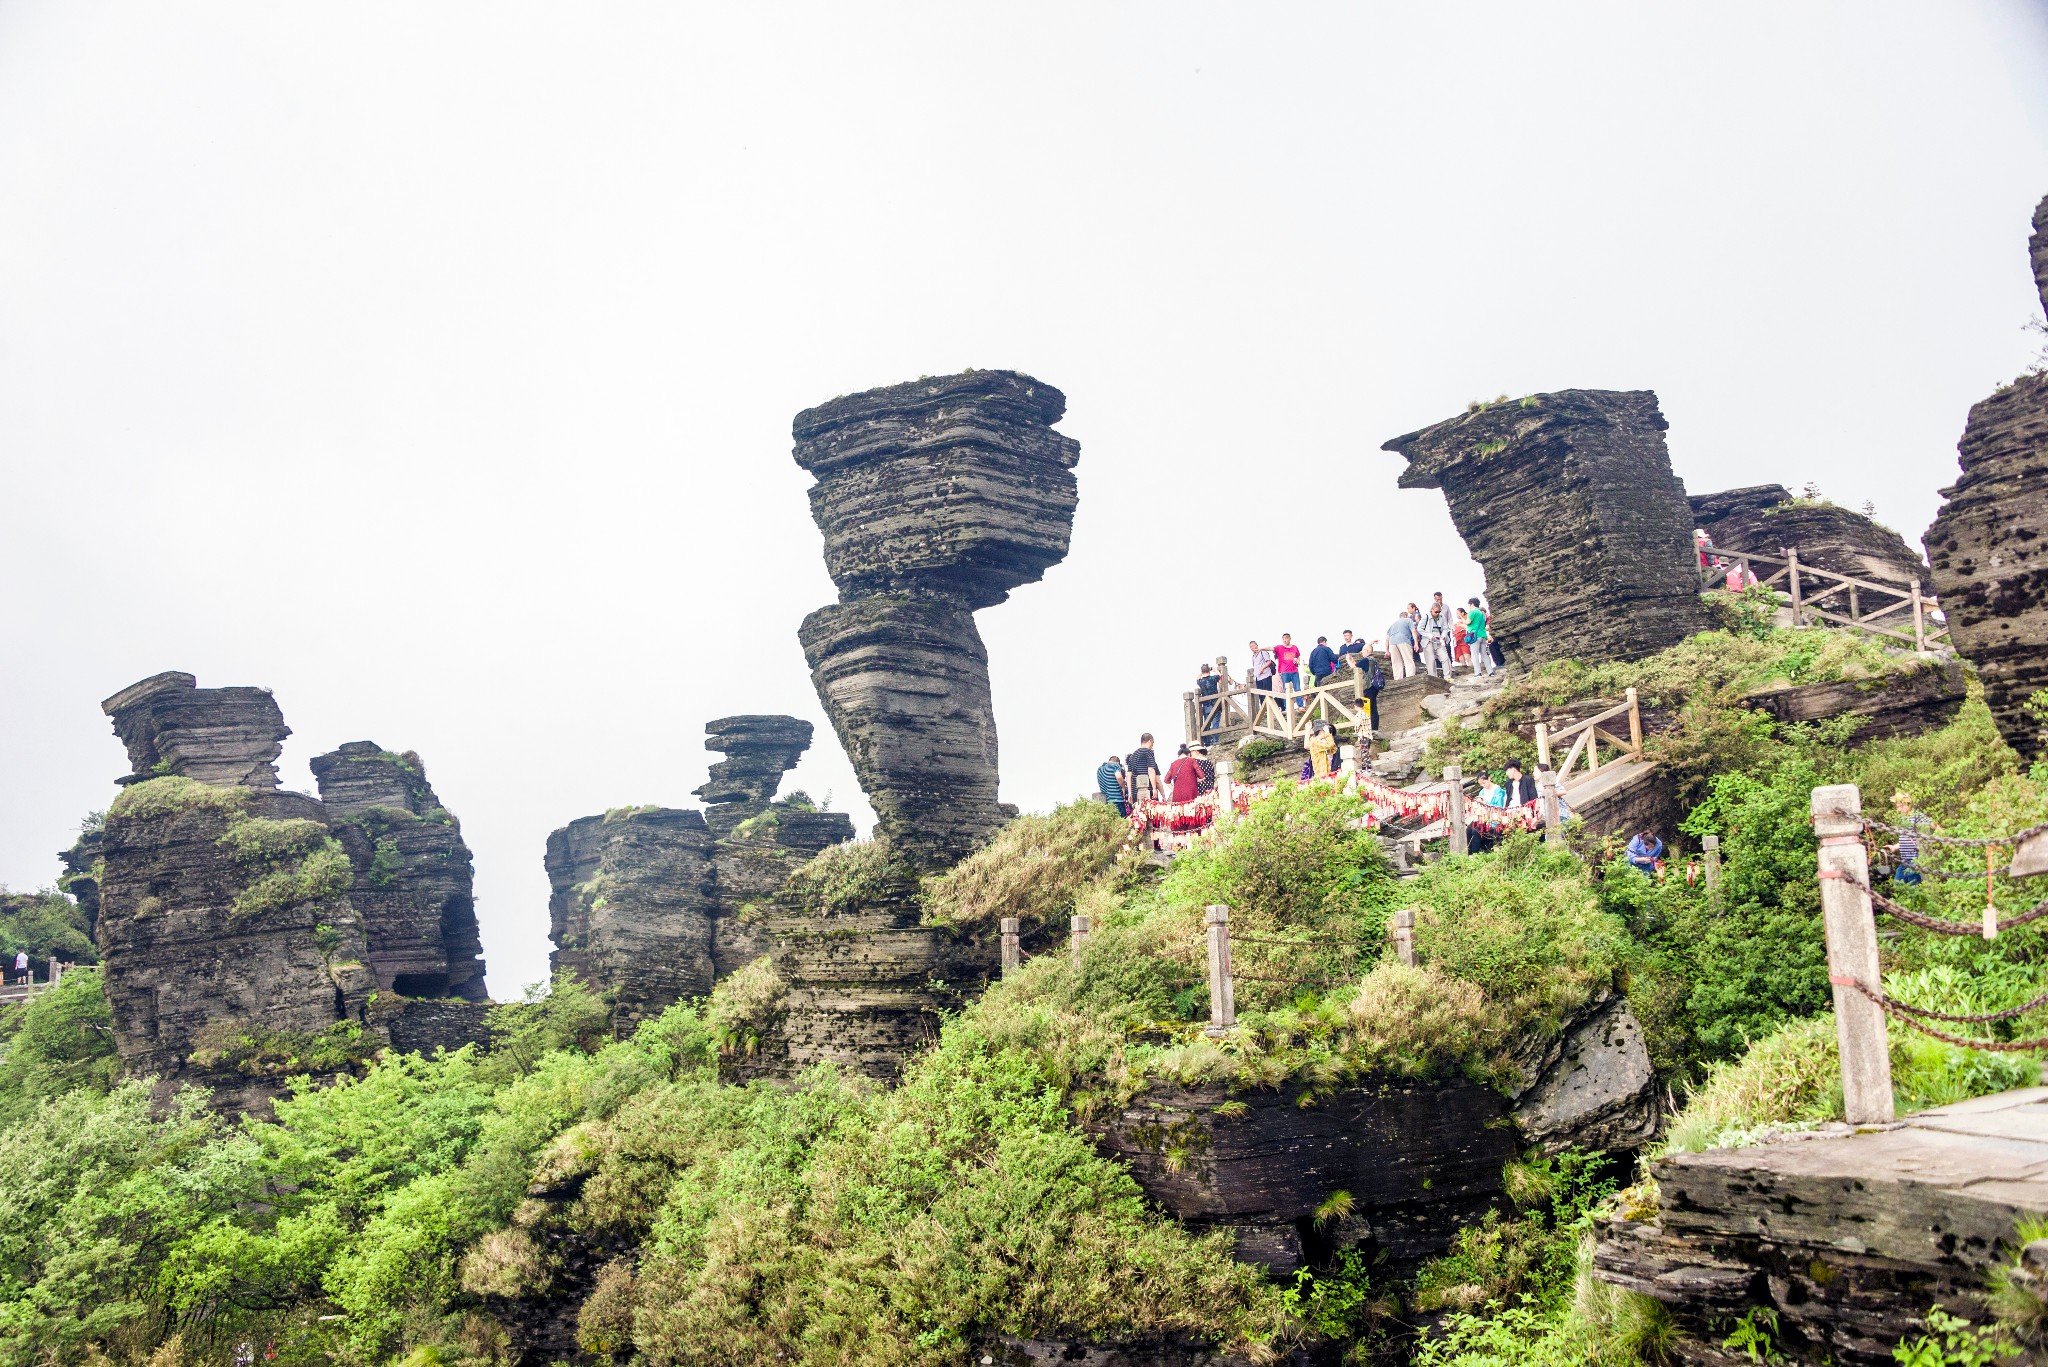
{"x":1765,"y":519}
{"x":1568,"y":502}
{"x":955,"y":484}
{"x":655,"y":904}
{"x":215,"y":735}
{"x":1989,"y":543}
{"x":414,"y":877}
{"x":632,"y":907}
{"x":935,"y":498}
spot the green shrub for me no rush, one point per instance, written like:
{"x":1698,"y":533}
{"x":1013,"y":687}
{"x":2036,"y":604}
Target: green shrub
{"x":48,"y":925}
{"x":846,"y":877}
{"x":58,"y":1042}
{"x":1033,"y":869}
{"x":323,"y":873}
{"x":167,"y":796}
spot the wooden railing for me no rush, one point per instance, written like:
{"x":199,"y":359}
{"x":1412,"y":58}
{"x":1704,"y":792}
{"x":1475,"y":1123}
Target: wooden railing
{"x":1239,"y":709}
{"x":1812,"y":592}
{"x":1585,"y":738}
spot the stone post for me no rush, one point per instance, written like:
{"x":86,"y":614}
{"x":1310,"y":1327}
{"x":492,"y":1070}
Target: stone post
{"x":1792,"y":576}
{"x":1919,"y":620}
{"x":1404,"y":935}
{"x":1852,"y":955}
{"x":1546,"y":792}
{"x":1712,"y":845}
{"x":1454,"y":807}
{"x":1226,"y":791}
{"x":1011,"y":953}
{"x":1222,"y":1000}
{"x":1189,"y":715}
{"x":1077,"y":936}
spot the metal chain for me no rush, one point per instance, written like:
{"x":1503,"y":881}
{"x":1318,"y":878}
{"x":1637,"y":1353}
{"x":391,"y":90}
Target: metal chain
{"x":1237,"y":939}
{"x":1932,"y":839}
{"x":1898,"y":1012}
{"x":1939,"y":925}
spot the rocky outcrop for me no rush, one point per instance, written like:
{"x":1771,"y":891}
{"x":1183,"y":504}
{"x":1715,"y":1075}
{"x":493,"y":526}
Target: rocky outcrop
{"x":1902,"y":704}
{"x":223,"y":736}
{"x":632,"y":907}
{"x":81,"y":876}
{"x":654,"y":904}
{"x":236,"y":952}
{"x":1568,"y":502}
{"x":935,"y":498}
{"x":1846,"y":1237}
{"x":1766,"y":519}
{"x":413,"y":888}
{"x":1419,"y":1160}
{"x":1989,"y":544}
{"x":1591,"y":1086}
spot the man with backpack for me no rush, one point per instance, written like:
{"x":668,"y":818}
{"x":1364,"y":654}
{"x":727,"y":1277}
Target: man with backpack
{"x":1375,"y":680}
{"x":1436,"y":638}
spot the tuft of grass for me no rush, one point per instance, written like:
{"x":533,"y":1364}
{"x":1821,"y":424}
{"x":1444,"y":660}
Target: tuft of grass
{"x":844,"y":878}
{"x":167,"y":796}
{"x":1033,"y":869}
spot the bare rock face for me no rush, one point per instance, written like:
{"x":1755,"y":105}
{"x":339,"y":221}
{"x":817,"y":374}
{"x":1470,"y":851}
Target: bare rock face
{"x":655,"y":904}
{"x":1593,"y":1087}
{"x":1766,"y":519}
{"x":632,"y":907}
{"x":215,"y":735}
{"x":935,"y":498}
{"x":1568,"y":502}
{"x":1989,"y":543}
{"x":414,"y":877}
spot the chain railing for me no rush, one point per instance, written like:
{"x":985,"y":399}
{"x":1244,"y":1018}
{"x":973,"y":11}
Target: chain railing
{"x":1850,"y":907}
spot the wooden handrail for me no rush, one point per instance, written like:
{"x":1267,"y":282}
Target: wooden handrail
{"x":1807,"y":587}
{"x":1586,"y":736}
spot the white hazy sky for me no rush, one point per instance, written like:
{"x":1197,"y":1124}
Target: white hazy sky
{"x":433,"y":365}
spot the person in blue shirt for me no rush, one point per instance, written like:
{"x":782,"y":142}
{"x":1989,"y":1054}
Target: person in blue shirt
{"x":1646,"y":854}
{"x":1109,"y":781}
{"x":1401,"y":643}
{"x":1322,"y":661}
{"x":1352,"y":651}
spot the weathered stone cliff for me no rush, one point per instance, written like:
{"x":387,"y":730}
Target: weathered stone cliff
{"x":1989,"y":543}
{"x":1568,"y":502}
{"x":935,"y":498}
{"x":216,"y":735}
{"x":1765,"y":518}
{"x":234,"y":950}
{"x":413,"y":888}
{"x":655,"y":904}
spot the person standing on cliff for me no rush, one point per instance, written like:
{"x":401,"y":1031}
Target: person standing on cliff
{"x":1113,"y":781}
{"x":1401,"y":644}
{"x":1287,"y":655}
{"x":1208,"y":710}
{"x":1146,"y":785}
{"x":1436,"y":638}
{"x":1480,"y":630}
{"x":21,"y":967}
{"x":1352,"y":652}
{"x":1322,"y":662}
{"x":1263,"y":669}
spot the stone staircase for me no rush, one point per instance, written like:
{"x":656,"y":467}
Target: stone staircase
{"x":1400,"y":754}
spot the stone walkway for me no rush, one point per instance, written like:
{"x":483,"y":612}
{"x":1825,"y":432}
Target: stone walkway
{"x":1400,"y":754}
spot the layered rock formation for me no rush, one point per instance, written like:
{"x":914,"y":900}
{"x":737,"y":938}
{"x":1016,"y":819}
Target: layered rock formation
{"x":216,"y":735}
{"x":413,"y":888}
{"x":1989,"y":543}
{"x":1568,"y":502}
{"x":935,"y":498}
{"x":1901,"y":704}
{"x":1765,"y":519}
{"x":654,"y":904}
{"x":234,"y":952}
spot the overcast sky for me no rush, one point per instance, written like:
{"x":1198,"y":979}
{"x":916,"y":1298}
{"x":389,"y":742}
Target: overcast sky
{"x":433,"y":366}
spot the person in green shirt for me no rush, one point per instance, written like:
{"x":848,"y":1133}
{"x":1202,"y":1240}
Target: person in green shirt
{"x":1482,"y":640}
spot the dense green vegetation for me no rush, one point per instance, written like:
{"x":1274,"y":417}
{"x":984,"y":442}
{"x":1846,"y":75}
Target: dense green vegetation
{"x":407,"y":1210}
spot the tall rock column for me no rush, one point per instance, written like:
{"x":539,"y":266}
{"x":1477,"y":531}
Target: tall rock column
{"x":936,"y":498}
{"x":1568,"y":502}
{"x":414,"y":877}
{"x":224,"y":924}
{"x":1989,"y":543}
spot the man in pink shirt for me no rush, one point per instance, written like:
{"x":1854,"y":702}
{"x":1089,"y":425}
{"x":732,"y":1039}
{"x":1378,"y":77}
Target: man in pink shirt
{"x":1287,"y":655}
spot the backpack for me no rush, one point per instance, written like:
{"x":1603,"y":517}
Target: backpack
{"x":1373,"y":677}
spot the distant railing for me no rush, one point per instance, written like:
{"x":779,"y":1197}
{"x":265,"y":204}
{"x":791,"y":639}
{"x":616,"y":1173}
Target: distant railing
{"x":1585,"y":737}
{"x":1823,"y":595}
{"x":1235,"y":709}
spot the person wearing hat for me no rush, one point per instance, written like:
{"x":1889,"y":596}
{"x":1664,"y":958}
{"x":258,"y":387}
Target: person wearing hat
{"x":1906,"y":852}
{"x":1113,"y":782}
{"x":1207,"y":784}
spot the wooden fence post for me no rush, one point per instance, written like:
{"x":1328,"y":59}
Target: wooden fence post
{"x":1792,"y":575}
{"x":1454,"y":807}
{"x":1077,"y":936}
{"x":1635,"y":724}
{"x":1404,"y":936}
{"x":1011,"y":954}
{"x":1546,"y":790}
{"x":1919,"y":619}
{"x":1222,"y":1000}
{"x":1712,"y":845}
{"x":1542,"y":746}
{"x":1852,"y":955}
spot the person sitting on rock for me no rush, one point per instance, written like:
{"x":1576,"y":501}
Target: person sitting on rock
{"x":1646,"y":853}
{"x":1520,"y":788}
